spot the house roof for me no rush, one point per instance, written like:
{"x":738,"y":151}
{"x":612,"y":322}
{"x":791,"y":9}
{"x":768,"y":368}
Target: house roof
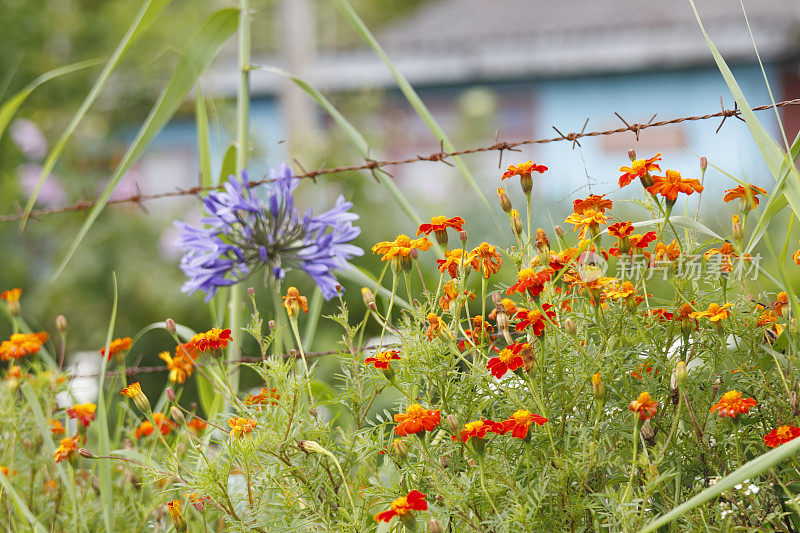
{"x":457,"y":41}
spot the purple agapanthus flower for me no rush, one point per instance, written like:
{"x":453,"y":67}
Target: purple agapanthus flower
{"x":243,"y":231}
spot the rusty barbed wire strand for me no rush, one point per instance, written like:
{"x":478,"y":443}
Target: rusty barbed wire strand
{"x":441,"y":156}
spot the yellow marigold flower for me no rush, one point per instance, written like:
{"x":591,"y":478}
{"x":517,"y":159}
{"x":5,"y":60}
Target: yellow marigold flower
{"x":175,"y":513}
{"x":134,"y":392}
{"x":240,"y":427}
{"x":400,"y":247}
{"x":11,"y":295}
{"x":66,"y":449}
{"x":620,"y":291}
{"x":587,"y":220}
{"x":22,"y":344}
{"x":669,"y":251}
{"x":83,"y":412}
{"x":714,"y":313}
{"x":180,"y":367}
{"x":293,"y":302}
{"x":639,"y":168}
{"x":485,"y":259}
{"x":117,"y":347}
{"x":644,"y":406}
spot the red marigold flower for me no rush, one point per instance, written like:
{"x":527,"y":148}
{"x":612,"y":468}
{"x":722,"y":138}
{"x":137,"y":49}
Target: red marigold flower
{"x":661,"y":314}
{"x":644,"y":367}
{"x":523,"y":169}
{"x":621,"y":229}
{"x":21,"y":344}
{"x":781,"y":435}
{"x":293,"y":302}
{"x":416,"y":419}
{"x":796,"y":257}
{"x":400,"y":247}
{"x":11,"y":295}
{"x":485,"y":259}
{"x":197,"y":426}
{"x":746,"y":195}
{"x":669,"y":251}
{"x":117,"y":346}
{"x":732,"y":404}
{"x":213,"y":339}
{"x":66,"y":448}
{"x":381,"y":359}
{"x":146,"y":428}
{"x":508,"y":359}
{"x":593,"y":201}
{"x":56,"y":427}
{"x":441,"y":223}
{"x":413,"y":501}
{"x":476,"y":429}
{"x":643,"y":241}
{"x":452,"y":262}
{"x":535,"y":319}
{"x":672,"y":183}
{"x":84,"y":412}
{"x":530,"y":281}
{"x":639,"y":168}
{"x":563,"y":258}
{"x":478,"y":334}
{"x":644,"y":406}
{"x":240,"y":427}
{"x":266,"y":397}
{"x":518,"y":424}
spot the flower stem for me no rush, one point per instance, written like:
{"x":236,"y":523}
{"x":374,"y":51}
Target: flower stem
{"x":633,"y":461}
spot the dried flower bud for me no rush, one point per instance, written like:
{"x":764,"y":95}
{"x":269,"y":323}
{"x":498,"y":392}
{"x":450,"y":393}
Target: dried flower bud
{"x":399,"y":449}
{"x":83,"y":452}
{"x":369,"y":298}
{"x":434,"y":526}
{"x":559,"y":232}
{"x":169,"y":325}
{"x":632,"y":154}
{"x":505,"y":201}
{"x":452,"y":424}
{"x":61,"y":323}
{"x":717,"y":384}
{"x":570,"y":326}
{"x":310,"y":446}
{"x":703,"y":164}
{"x":177,"y":415}
{"x":171,"y":394}
{"x":598,"y":389}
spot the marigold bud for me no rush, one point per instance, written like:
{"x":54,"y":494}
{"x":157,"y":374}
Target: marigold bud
{"x":452,"y":424}
{"x":171,"y":394}
{"x":598,"y":389}
{"x":681,"y":373}
{"x":632,"y":154}
{"x":399,"y":449}
{"x":309,"y":446}
{"x":272,"y":325}
{"x":703,"y":164}
{"x":251,"y":291}
{"x":61,"y":323}
{"x":570,"y":326}
{"x":169,"y":325}
{"x":434,"y":526}
{"x":526,"y":182}
{"x":516,"y":222}
{"x":177,"y":415}
{"x":559,"y":231}
{"x":83,"y":452}
{"x":369,"y":298}
{"x":736,"y":226}
{"x":462,"y":235}
{"x":175,"y":513}
{"x":505,"y":201}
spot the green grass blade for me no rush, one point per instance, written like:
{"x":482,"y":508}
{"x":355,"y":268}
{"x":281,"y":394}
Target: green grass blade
{"x":217,"y":29}
{"x":682,"y":221}
{"x":12,"y":105}
{"x":750,"y":470}
{"x":147,"y":14}
{"x":203,"y":141}
{"x":20,"y":506}
{"x":228,"y":164}
{"x":101,"y":423}
{"x":357,"y":139}
{"x":413,"y":98}
{"x":312,"y":319}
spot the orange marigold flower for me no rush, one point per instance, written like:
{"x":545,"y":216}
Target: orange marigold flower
{"x":451,"y":295}
{"x":587,"y":220}
{"x":672,"y":183}
{"x":293,"y":302}
{"x":618,"y":291}
{"x":400,"y":247}
{"x":485,"y":259}
{"x":639,"y":168}
{"x":56,"y":427}
{"x":21,"y":344}
{"x":413,"y":501}
{"x":84,"y":412}
{"x":563,"y":258}
{"x":796,"y":257}
{"x":452,"y":262}
{"x":781,"y":301}
{"x":6,"y":471}
{"x":518,"y":424}
{"x":479,"y":333}
{"x":644,"y":367}
{"x":240,"y":427}
{"x":11,"y":295}
{"x":176,"y":514}
{"x":661,"y":314}
{"x":416,"y":419}
{"x":534,"y":319}
{"x":509,"y":358}
{"x":180,"y":367}
{"x":714,"y":313}
{"x":197,"y":426}
{"x":213,"y":339}
{"x":669,"y":251}
{"x":523,"y":169}
{"x":146,"y":428}
{"x":66,"y":449}
{"x":132,"y":391}
{"x":644,"y":406}
{"x":476,"y":430}
{"x":117,"y":346}
{"x":642,"y":241}
{"x":530,"y":281}
{"x":781,"y":435}
{"x":746,"y":195}
{"x":437,"y":327}
{"x":593,"y":201}
{"x":441,"y":223}
{"x":266,"y":397}
{"x":732,"y":404}
{"x":14,"y":373}
{"x":621,"y":229}
{"x":381,"y":359}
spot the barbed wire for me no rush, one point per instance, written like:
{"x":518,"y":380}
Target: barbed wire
{"x":440,"y":156}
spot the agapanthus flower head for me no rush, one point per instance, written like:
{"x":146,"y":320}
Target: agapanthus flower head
{"x":83,"y":412}
{"x":21,"y":344}
{"x":402,"y":507}
{"x":243,"y":232}
{"x":672,"y":183}
{"x":746,"y":195}
{"x":117,"y":347}
{"x":416,"y":419}
{"x":644,"y":406}
{"x":732,"y":404}
{"x":781,"y":435}
{"x":638,"y":169}
{"x":518,"y":424}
